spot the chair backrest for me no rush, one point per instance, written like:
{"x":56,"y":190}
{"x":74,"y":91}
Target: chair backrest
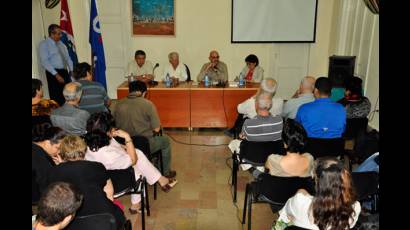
{"x":101,"y":221}
{"x":321,"y":147}
{"x":123,"y":180}
{"x":354,"y":126}
{"x":365,"y":183}
{"x":280,"y":189}
{"x":258,"y":152}
{"x":188,"y":73}
{"x":293,"y":227}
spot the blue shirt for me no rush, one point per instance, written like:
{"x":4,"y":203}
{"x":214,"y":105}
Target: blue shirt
{"x":50,"y":57}
{"x":322,"y":118}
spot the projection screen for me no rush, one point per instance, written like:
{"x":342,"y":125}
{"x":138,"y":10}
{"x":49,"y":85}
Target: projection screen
{"x":263,"y":21}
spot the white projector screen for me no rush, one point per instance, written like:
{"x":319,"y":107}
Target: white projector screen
{"x":258,"y":21}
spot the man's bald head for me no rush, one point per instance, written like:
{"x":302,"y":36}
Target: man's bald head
{"x":307,"y":85}
{"x":214,"y":56}
{"x":72,"y":91}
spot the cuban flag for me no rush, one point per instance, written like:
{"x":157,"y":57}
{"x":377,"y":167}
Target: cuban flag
{"x":97,"y":49}
{"x":67,"y":31}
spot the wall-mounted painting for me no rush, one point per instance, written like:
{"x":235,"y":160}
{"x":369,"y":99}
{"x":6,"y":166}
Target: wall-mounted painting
{"x":153,"y":17}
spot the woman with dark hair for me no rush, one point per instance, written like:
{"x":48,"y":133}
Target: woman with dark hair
{"x":44,"y":156}
{"x":90,"y":177}
{"x":103,"y":148}
{"x":296,"y":162}
{"x":333,"y":207}
{"x":252,"y":72}
{"x":357,"y":105}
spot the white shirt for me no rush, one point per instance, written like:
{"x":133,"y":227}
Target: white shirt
{"x":298,"y":206}
{"x":134,"y":69}
{"x":179,"y":72}
{"x":248,"y":107}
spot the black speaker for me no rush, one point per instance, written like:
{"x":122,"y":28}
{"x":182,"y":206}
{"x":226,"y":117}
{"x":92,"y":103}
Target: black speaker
{"x":341,"y":68}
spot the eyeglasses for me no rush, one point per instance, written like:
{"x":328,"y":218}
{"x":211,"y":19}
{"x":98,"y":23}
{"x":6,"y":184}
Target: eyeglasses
{"x":214,"y":56}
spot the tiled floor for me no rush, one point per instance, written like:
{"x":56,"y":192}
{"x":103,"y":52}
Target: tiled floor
{"x":202,"y":199}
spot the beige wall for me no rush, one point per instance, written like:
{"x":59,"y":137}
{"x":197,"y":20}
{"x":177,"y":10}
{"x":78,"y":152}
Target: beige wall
{"x":200,"y":27}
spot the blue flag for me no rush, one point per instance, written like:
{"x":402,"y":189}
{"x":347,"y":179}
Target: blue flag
{"x":97,"y":49}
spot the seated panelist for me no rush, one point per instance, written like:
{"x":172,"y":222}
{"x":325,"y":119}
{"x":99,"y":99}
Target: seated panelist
{"x":175,"y":69}
{"x":215,"y":69}
{"x":140,"y":68}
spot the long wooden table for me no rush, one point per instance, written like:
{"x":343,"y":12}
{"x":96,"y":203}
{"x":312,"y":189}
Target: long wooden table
{"x":195,"y":106}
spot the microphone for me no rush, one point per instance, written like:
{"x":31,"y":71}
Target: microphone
{"x":153,"y":70}
{"x":156,"y":66}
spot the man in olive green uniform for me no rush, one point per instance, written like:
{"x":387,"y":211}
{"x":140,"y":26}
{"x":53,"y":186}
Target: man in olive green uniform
{"x":138,"y":116}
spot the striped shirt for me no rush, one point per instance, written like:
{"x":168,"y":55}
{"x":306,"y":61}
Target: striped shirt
{"x":263,"y":128}
{"x":94,"y":97}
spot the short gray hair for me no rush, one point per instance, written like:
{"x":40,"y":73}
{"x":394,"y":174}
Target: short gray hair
{"x":269,"y":85}
{"x":172,"y":54}
{"x":264,"y":100}
{"x":72,"y":91}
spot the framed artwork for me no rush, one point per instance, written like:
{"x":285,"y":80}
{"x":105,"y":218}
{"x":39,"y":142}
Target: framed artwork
{"x":153,"y":17}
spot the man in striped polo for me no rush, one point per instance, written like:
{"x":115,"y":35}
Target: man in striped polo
{"x":94,"y":98}
{"x":263,"y":127}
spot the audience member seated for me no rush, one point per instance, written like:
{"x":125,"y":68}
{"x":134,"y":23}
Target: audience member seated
{"x":264,"y":126}
{"x":302,"y":96}
{"x":174,"y":68}
{"x":139,"y":117}
{"x":334,"y":205}
{"x":103,"y":148}
{"x":215,"y":69}
{"x":357,"y":105}
{"x":57,"y":206}
{"x":322,"y":118}
{"x":142,"y":69}
{"x":252,"y":72}
{"x":40,"y":108}
{"x":91,"y":178}
{"x":44,"y":156}
{"x":69,"y":117}
{"x":94,"y":98}
{"x":296,"y":162}
{"x":247,"y":109}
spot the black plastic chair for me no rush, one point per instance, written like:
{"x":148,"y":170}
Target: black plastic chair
{"x":367,"y":187}
{"x":261,"y":191}
{"x":188,"y":73}
{"x":322,"y":147}
{"x":254,"y":153}
{"x":124,"y":183}
{"x":293,"y":227}
{"x":101,"y":221}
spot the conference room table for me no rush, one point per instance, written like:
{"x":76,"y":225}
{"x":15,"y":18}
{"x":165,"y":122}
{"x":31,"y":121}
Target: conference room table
{"x":192,"y":105}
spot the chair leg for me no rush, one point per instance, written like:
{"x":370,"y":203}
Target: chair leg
{"x":155,"y":191}
{"x":142,"y":205}
{"x":234,"y":178}
{"x":245,"y":204}
{"x":146,"y":197}
{"x":161,"y":163}
{"x":250,"y":201}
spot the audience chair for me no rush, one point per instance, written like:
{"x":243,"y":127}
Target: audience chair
{"x":101,"y":221}
{"x":367,"y":188}
{"x":254,"y":153}
{"x":124,"y":183}
{"x":142,"y":143}
{"x":188,"y":73}
{"x":322,"y":147}
{"x":293,"y":227}
{"x":355,"y":127}
{"x":260,"y":191}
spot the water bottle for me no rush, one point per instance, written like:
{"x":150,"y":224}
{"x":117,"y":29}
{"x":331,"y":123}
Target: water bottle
{"x":241,"y":80}
{"x":206,"y":81}
{"x":167,"y":80}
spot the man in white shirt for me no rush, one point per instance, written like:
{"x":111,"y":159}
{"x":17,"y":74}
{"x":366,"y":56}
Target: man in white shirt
{"x":303,"y":95}
{"x":140,"y":68}
{"x":175,"y":69}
